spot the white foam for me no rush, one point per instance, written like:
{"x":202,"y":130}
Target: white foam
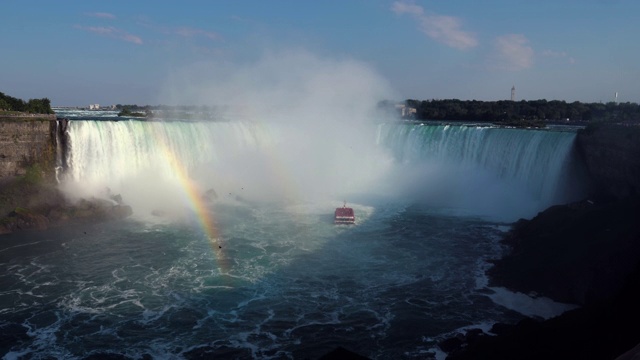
{"x":542,"y":307}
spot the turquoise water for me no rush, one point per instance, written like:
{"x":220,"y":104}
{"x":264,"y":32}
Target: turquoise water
{"x":283,"y":285}
{"x":277,"y":279}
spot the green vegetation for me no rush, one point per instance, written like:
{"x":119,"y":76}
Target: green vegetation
{"x":528,"y":113}
{"x":34,"y":174}
{"x":12,"y":106}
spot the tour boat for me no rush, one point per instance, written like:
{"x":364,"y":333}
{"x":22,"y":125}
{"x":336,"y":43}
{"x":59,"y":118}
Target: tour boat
{"x":344,"y":215}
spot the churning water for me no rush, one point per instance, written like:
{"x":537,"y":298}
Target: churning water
{"x":232,"y":251}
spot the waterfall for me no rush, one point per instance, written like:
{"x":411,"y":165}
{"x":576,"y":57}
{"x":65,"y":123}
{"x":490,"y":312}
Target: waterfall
{"x":113,"y":151}
{"x":153,"y":165}
{"x":512,"y":172}
{"x":60,"y":138}
{"x":541,"y":165}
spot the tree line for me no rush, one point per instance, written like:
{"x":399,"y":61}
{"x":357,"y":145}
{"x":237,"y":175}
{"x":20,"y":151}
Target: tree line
{"x":536,"y":111}
{"x":34,"y":106}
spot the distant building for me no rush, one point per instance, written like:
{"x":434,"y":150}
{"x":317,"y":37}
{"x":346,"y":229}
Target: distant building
{"x":406,"y":111}
{"x":513,"y":93}
{"x":94,"y":107}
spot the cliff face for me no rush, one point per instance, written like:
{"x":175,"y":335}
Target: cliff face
{"x":24,"y":143}
{"x":28,"y":147}
{"x":612,"y":158}
{"x":586,"y":253}
{"x":580,"y":253}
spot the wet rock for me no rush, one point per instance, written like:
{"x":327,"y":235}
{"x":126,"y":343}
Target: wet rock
{"x":59,"y":214}
{"x":210,"y":195}
{"x":452,"y":344}
{"x":501,"y":329}
{"x":121,"y":211}
{"x":587,"y":253}
{"x":572,"y":254}
{"x":222,"y":352}
{"x":117,"y":198}
{"x":107,"y":356}
{"x":612,"y":157}
{"x":341,"y":353}
{"x":25,"y":219}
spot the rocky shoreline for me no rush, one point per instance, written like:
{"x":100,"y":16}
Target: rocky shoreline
{"x":39,"y":206}
{"x":585,"y":253}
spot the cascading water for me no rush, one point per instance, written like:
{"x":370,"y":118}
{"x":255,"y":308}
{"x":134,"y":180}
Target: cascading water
{"x":146,"y":162}
{"x":59,"y":150}
{"x":535,"y":166}
{"x":524,"y":170}
{"x":277,"y":279}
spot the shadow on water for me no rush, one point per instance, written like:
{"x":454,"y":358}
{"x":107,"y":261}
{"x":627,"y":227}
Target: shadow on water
{"x":278,"y":280}
{"x":293,"y":285}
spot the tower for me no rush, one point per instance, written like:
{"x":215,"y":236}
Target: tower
{"x":616,"y":98}
{"x":513,"y":93}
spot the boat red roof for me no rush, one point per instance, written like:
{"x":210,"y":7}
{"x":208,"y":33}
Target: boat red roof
{"x":344,"y":211}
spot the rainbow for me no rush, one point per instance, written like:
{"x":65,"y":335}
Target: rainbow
{"x":193,"y":194}
{"x":196,"y":202}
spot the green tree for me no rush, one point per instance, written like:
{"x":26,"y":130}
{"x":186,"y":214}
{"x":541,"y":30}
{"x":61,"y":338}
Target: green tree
{"x":4,"y":105}
{"x":39,"y":106}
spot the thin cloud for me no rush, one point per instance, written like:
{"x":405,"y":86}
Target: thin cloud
{"x":559,"y":55}
{"x":183,"y":31}
{"x":102,"y":15}
{"x":241,"y":19}
{"x":513,"y":52}
{"x":442,"y":28}
{"x":112,"y":32}
{"x":191,"y":32}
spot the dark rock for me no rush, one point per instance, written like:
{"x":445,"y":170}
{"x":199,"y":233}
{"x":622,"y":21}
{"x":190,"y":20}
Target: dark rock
{"x":501,"y":329}
{"x":220,"y":352}
{"x":587,"y":253}
{"x":473,"y":334}
{"x":452,"y":344}
{"x":210,"y":195}
{"x":59,"y":215}
{"x":612,"y":158}
{"x":572,"y":253}
{"x":5,"y":227}
{"x":633,"y":354}
{"x":25,"y":219}
{"x":121,"y":211}
{"x":341,"y":353}
{"x":598,"y":331}
{"x":107,"y":356}
{"x":40,"y":206}
{"x":117,"y":198}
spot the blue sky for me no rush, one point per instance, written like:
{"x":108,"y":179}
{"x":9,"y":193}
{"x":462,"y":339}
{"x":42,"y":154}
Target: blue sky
{"x":82,"y":52}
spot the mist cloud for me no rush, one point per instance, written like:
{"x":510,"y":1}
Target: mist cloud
{"x":320,"y":113}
